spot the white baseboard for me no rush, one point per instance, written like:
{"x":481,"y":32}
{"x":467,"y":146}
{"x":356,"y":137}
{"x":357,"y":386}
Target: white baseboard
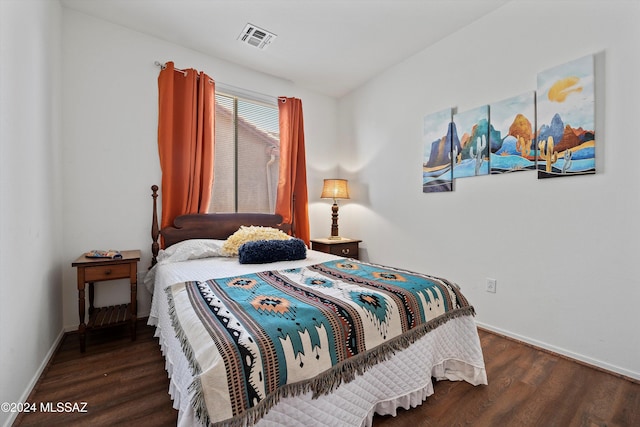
{"x":571,"y":355}
{"x":36,"y":376}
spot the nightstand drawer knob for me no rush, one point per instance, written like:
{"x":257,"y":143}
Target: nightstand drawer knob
{"x":345,"y":251}
{"x":107,"y":272}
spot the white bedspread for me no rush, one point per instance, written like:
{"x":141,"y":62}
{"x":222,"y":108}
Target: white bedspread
{"x":452,"y":351}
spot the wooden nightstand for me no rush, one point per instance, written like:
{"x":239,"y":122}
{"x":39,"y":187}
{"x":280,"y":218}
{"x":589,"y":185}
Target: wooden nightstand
{"x":91,"y":270}
{"x":342,"y":247}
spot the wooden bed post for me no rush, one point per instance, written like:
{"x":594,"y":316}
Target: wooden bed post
{"x":155,"y":228}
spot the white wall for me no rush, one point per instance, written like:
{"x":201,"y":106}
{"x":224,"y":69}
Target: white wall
{"x":110,"y":141}
{"x":30,"y":193}
{"x":564,"y":251}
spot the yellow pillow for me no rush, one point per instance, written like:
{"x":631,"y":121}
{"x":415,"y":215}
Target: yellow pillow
{"x":250,"y":234}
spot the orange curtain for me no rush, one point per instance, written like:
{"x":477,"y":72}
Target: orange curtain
{"x":292,"y":199}
{"x":186,"y":141}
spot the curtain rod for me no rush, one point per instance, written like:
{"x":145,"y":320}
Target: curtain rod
{"x":184,"y":72}
{"x":233,"y":90}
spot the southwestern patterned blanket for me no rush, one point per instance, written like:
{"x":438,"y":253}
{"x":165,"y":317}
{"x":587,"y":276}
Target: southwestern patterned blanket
{"x":253,"y":339}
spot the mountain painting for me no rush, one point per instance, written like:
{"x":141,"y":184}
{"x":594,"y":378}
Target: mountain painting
{"x":471,"y":150}
{"x":512,"y":134}
{"x":436,"y":164}
{"x":566,"y":116}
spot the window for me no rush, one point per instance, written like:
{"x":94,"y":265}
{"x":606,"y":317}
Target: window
{"x":247,"y":155}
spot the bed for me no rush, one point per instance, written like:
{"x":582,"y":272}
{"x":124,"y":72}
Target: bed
{"x":300,"y":355}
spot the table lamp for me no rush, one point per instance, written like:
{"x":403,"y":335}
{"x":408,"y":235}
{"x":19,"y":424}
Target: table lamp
{"x":335,"y":189}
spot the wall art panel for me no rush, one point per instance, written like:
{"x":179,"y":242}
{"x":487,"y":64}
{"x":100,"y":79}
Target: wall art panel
{"x":471,"y":150}
{"x":436,"y":164}
{"x":566,"y":117}
{"x":512,"y":134}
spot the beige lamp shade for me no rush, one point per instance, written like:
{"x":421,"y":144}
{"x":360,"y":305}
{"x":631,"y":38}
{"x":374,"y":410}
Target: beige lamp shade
{"x":335,"y":189}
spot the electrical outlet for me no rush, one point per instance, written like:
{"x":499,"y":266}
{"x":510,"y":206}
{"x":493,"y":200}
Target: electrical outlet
{"x":491,"y":285}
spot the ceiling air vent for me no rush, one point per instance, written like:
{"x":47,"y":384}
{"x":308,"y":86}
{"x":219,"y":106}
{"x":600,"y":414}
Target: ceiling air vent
{"x":256,"y":37}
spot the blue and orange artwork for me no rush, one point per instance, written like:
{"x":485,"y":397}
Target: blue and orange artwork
{"x":436,"y":163}
{"x":566,"y":115}
{"x":471,"y":150}
{"x":512,"y":134}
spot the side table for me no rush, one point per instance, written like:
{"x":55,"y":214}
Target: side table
{"x":91,"y":270}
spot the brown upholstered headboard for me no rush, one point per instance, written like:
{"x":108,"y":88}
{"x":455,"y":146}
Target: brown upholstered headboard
{"x":206,"y":226}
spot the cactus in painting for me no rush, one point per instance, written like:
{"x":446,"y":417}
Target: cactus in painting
{"x":568,"y":154}
{"x":547,"y":153}
{"x":481,"y":144}
{"x":453,"y":156}
{"x":523,"y":146}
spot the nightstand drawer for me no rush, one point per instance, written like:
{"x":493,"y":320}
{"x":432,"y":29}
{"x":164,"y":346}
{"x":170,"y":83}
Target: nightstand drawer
{"x":107,"y":272}
{"x":349,"y":250}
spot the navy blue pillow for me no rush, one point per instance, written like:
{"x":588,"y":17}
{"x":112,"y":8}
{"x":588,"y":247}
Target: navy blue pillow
{"x":264,"y":251}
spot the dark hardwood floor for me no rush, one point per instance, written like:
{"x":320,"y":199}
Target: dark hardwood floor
{"x":124,"y":383}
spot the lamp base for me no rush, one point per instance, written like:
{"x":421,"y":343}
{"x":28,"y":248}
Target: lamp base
{"x":335,"y":238}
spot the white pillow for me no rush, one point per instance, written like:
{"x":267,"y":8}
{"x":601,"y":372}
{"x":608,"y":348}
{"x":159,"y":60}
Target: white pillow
{"x":250,"y":234}
{"x":191,"y":249}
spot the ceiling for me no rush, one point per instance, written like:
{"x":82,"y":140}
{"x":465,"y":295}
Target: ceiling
{"x":328,"y":46}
